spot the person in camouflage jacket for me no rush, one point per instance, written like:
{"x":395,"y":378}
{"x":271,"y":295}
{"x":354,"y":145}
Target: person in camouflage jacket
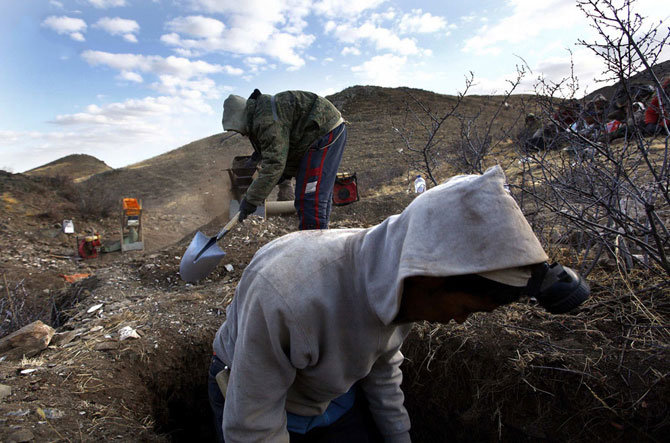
{"x":294,"y":134}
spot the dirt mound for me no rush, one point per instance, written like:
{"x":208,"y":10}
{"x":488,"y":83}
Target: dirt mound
{"x":76,"y":167}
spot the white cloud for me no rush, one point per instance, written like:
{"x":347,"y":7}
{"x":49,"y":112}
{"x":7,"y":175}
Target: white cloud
{"x":256,"y":64}
{"x":78,"y":36}
{"x":381,"y":38}
{"x":131,"y":76}
{"x":119,"y":26}
{"x":553,"y":69}
{"x":255,"y":61}
{"x":56,"y":4}
{"x":350,"y":50}
{"x":177,"y":66}
{"x":117,"y":133}
{"x":272,"y":28}
{"x":379,"y":17}
{"x":418,"y":22}
{"x":104,"y":4}
{"x":196,"y":26}
{"x":527,"y":20}
{"x":74,"y":27}
{"x":338,"y":8}
{"x":382,"y":70}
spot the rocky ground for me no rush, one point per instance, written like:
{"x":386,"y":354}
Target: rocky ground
{"x":132,"y":341}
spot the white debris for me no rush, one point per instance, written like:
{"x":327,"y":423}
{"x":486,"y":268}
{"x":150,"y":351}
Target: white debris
{"x":94,"y":308}
{"x":127,"y":332}
{"x":28,"y":371}
{"x":229,"y":267}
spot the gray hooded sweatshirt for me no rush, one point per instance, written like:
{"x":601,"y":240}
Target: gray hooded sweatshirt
{"x":313,"y":312}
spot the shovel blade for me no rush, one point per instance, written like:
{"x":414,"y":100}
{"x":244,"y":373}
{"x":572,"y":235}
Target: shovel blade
{"x":192,"y":270}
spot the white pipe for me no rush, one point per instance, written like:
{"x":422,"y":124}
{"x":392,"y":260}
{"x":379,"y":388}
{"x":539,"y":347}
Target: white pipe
{"x":279,"y":208}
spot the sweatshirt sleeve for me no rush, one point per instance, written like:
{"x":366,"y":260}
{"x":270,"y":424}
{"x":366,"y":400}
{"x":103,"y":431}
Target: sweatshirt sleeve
{"x":261,"y":374}
{"x":273,"y":138}
{"x":382,"y":389}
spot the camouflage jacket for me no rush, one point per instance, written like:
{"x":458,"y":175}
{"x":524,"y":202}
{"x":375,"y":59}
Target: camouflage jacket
{"x":282,"y":128}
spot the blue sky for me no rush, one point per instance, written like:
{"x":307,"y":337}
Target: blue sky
{"x":125,"y":80}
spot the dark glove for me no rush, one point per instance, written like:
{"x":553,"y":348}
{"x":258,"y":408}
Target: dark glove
{"x":246,"y":208}
{"x":253,"y":161}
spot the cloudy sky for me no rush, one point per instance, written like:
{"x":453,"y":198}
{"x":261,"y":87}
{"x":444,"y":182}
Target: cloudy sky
{"x":125,"y":80}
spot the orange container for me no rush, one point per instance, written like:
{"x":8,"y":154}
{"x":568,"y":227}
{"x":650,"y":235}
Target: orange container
{"x":131,"y":206}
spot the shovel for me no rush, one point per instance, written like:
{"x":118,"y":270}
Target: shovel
{"x":203,"y":254}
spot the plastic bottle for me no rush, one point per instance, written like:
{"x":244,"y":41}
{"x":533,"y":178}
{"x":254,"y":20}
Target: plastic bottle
{"x":419,"y":184}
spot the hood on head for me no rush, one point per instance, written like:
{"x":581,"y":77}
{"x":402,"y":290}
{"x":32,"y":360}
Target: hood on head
{"x":468,"y":225}
{"x":234,"y":114}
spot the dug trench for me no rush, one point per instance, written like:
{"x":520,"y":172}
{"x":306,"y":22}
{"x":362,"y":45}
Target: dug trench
{"x":481,"y":382}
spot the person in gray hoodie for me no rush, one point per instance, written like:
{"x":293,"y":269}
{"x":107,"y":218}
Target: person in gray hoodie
{"x":310,"y":348}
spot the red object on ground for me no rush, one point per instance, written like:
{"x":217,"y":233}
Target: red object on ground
{"x":613,"y":126}
{"x":345,"y":190}
{"x":88,"y":246}
{"x":73,"y":278}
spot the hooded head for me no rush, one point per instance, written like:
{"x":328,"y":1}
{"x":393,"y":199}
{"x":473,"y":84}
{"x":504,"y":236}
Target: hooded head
{"x":235,"y":114}
{"x":468,"y":225}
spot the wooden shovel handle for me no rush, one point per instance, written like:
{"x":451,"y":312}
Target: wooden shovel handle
{"x":228,"y":227}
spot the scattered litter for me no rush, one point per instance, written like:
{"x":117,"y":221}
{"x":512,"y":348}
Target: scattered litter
{"x":229,"y":267}
{"x":28,"y":371}
{"x":18,"y":413}
{"x":94,"y":308}
{"x":51,"y":414}
{"x":68,"y":226}
{"x":127,"y":332}
{"x":73,"y":278}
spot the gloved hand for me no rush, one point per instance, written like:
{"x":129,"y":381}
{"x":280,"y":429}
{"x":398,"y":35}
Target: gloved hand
{"x":246,"y":208}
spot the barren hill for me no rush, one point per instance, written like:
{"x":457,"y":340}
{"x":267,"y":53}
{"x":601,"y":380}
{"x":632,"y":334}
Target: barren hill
{"x":661,"y":70}
{"x":76,"y":167}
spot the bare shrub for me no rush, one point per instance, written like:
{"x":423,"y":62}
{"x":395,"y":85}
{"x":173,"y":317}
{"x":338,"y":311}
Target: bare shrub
{"x":91,"y":202}
{"x":421,"y":132}
{"x":615,"y":192}
{"x":19,"y":307}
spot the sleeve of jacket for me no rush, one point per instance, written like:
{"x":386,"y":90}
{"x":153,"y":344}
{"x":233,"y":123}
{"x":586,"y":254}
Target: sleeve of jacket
{"x":382,"y":389}
{"x":273,"y":138}
{"x":261,"y":373}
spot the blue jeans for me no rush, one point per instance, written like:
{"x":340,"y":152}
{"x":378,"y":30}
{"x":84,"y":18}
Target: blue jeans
{"x":355,"y":426}
{"x":316,"y":179}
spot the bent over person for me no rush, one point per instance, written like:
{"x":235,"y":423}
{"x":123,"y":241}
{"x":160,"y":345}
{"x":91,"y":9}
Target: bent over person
{"x":310,"y":348}
{"x":294,"y":134}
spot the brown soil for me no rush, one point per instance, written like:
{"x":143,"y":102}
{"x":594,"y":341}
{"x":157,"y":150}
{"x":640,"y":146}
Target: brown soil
{"x":516,"y":375}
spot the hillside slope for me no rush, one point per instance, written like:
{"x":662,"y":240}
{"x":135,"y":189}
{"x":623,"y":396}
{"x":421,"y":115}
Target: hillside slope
{"x":76,"y":167}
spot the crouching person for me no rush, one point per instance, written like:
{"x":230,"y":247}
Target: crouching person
{"x":310,"y":349}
